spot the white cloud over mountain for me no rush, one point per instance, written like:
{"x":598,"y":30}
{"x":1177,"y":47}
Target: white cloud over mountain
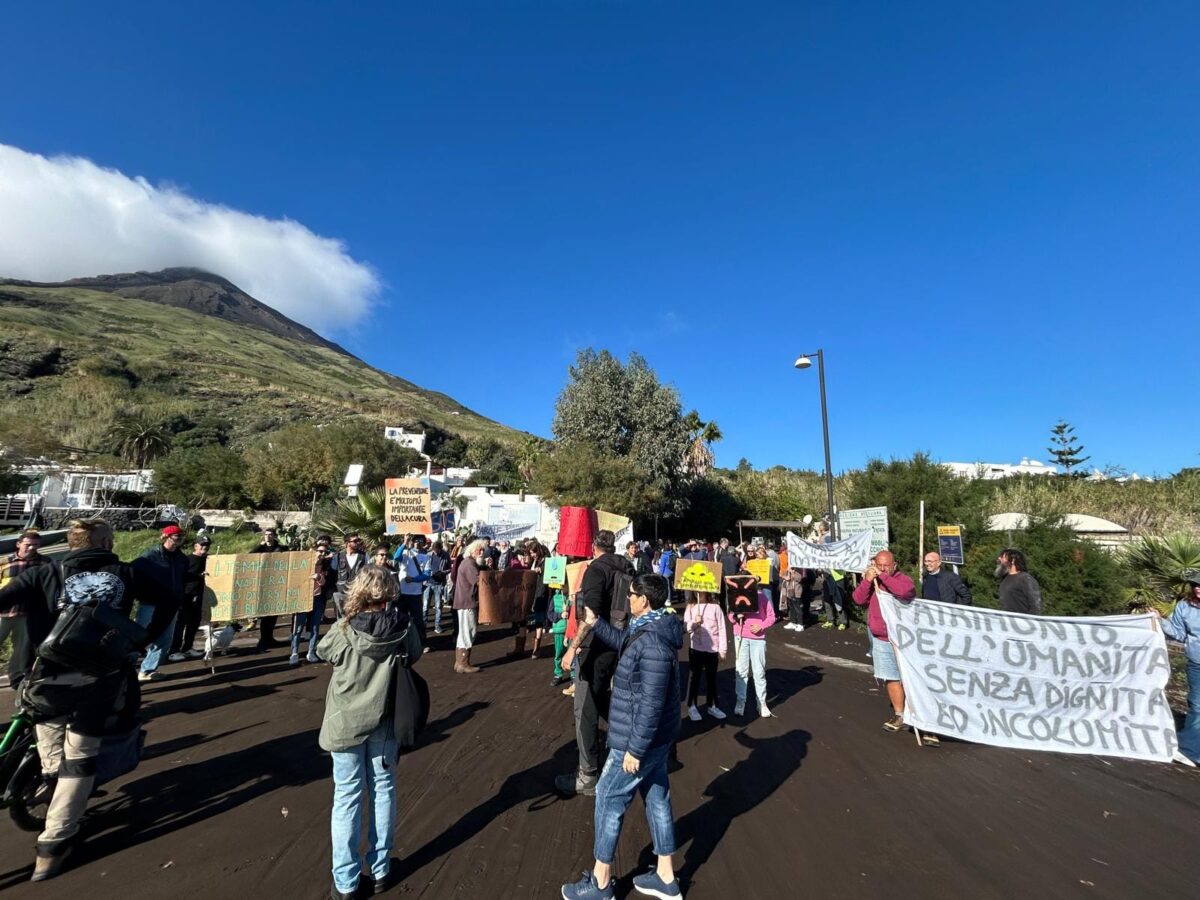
{"x":65,"y":217}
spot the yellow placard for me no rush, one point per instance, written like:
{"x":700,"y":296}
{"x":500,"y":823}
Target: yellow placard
{"x":249,"y":585}
{"x":698,"y":575}
{"x":760,"y":569}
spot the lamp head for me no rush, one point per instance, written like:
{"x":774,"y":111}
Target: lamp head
{"x":803,"y":362}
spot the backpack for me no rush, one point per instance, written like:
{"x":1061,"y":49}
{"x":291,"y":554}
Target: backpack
{"x":619,"y":615}
{"x":92,"y":633}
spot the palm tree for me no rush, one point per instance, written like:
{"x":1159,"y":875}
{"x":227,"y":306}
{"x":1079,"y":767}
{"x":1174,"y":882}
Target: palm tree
{"x":698,"y":459}
{"x":527,"y":457}
{"x":138,"y":440}
{"x":1162,"y":566}
{"x":362,"y":514}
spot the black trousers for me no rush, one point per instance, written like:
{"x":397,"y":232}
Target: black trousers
{"x":411,"y":604}
{"x":187,"y":623}
{"x":702,"y":662}
{"x":266,"y":631}
{"x":593,"y":691}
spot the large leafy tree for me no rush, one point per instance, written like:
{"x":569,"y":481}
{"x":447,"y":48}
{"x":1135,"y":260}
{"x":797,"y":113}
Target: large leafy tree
{"x":579,"y":475}
{"x":197,"y":477}
{"x":293,"y":464}
{"x":623,"y":411}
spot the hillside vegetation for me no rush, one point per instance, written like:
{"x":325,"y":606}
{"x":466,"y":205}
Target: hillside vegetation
{"x":73,"y":361}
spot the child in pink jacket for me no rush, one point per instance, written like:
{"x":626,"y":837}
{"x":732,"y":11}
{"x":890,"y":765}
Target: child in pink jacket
{"x":704,"y":623}
{"x":750,"y":638}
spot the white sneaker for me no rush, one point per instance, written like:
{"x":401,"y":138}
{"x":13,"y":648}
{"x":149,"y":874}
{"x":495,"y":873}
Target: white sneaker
{"x":715,"y":712}
{"x":740,"y":708}
{"x":176,"y":657}
{"x":194,"y":654}
{"x":765,"y":713}
{"x":294,"y":660}
{"x":148,"y":676}
{"x":312,"y":657}
{"x":693,"y":714}
{"x":799,"y":628}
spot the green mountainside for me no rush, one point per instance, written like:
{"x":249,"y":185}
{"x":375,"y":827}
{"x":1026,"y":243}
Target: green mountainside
{"x":74,"y":359}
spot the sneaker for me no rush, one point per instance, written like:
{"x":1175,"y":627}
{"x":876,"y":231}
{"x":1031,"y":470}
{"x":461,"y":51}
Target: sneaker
{"x":148,"y":676}
{"x":576,"y":783}
{"x":841,"y":628}
{"x":798,"y":628}
{"x":559,"y":679}
{"x":739,"y":708}
{"x":380,"y":883}
{"x":826,"y":624}
{"x":895,"y":723}
{"x":587,"y":889}
{"x":652,"y":886}
{"x":765,"y":713}
{"x":176,"y":657}
{"x":294,"y":660}
{"x":195,"y":654}
{"x":569,"y":690}
{"x":715,"y":712}
{"x":312,"y":657}
{"x":335,"y":894}
{"x":693,"y":714}
{"x":930,"y":740}
{"x":438,"y":631}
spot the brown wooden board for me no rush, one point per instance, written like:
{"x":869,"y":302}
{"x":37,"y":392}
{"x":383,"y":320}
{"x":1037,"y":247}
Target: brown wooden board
{"x":506,"y":596}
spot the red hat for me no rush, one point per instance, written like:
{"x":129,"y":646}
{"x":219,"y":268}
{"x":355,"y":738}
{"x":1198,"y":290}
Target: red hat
{"x":171,"y":529}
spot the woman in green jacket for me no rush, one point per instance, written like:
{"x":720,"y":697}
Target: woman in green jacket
{"x":370,"y":712}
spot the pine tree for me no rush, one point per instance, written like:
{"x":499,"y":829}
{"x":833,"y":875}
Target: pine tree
{"x":1064,"y":449}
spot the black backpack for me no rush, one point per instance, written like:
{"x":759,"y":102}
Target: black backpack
{"x":622,"y":582}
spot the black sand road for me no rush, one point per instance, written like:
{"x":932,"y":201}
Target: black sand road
{"x":233,"y":798}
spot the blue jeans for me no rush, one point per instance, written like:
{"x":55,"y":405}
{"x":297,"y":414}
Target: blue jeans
{"x":435,"y":594}
{"x":370,"y":767}
{"x":307,"y":623}
{"x":1189,"y":737}
{"x":160,"y":643}
{"x":614,"y":793}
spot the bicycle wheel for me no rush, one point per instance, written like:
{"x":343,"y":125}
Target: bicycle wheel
{"x":29,"y":793}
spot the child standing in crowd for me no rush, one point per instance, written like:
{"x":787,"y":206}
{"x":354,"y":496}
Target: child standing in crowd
{"x":705,"y":624}
{"x":750,"y":638}
{"x":371,"y":711}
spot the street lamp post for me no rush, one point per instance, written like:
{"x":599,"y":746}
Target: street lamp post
{"x":804,"y":361}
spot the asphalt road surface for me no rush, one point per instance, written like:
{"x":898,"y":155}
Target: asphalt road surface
{"x":233,"y":798}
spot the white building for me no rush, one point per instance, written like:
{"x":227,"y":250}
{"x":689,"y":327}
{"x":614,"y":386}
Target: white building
{"x":78,"y":486}
{"x":411,"y":439}
{"x":994,"y":471}
{"x":1107,"y":534}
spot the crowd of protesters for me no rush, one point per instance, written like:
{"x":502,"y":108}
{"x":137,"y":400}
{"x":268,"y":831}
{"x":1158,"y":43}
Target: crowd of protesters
{"x":617,"y":636}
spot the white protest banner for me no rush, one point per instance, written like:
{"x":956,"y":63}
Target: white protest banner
{"x":850,"y":555}
{"x":1072,"y":685}
{"x":513,"y":531}
{"x":873,"y":519}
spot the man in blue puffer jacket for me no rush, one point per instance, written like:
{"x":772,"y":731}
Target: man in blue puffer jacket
{"x":643,"y":723}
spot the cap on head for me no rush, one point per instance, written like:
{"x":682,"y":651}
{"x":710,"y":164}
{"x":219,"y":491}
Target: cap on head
{"x":204,"y":540}
{"x":172,"y":531}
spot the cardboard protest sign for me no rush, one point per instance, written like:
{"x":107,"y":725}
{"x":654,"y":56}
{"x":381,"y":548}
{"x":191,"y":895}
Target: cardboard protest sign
{"x":698,"y":575}
{"x":1071,"y":685}
{"x":506,"y":596}
{"x":873,"y":519}
{"x":850,"y":555}
{"x":575,"y":576}
{"x":407,"y":510}
{"x":554,"y":571}
{"x":760,"y":569}
{"x":249,"y":585}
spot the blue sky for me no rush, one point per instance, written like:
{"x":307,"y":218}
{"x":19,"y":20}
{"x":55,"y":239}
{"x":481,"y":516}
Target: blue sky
{"x":986,"y":214}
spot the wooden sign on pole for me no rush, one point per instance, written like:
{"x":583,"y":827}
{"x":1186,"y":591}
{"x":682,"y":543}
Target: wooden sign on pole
{"x":408,"y":506}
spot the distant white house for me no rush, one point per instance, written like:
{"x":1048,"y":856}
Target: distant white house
{"x":1107,"y":534}
{"x":993,"y":471}
{"x":411,"y":439}
{"x":78,"y":486}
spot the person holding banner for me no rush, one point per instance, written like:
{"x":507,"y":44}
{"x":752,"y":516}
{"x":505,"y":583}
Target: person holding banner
{"x":882,"y":575}
{"x":1183,"y":625}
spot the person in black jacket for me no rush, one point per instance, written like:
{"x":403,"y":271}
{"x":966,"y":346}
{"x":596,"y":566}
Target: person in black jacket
{"x":162,"y":569}
{"x":187,"y":623}
{"x":348,"y":563}
{"x":266,"y":624}
{"x":943,"y":584}
{"x":606,"y":578}
{"x":71,"y":708}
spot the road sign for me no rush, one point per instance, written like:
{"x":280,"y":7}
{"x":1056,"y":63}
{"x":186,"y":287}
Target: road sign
{"x":873,"y":519}
{"x":950,"y":544}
